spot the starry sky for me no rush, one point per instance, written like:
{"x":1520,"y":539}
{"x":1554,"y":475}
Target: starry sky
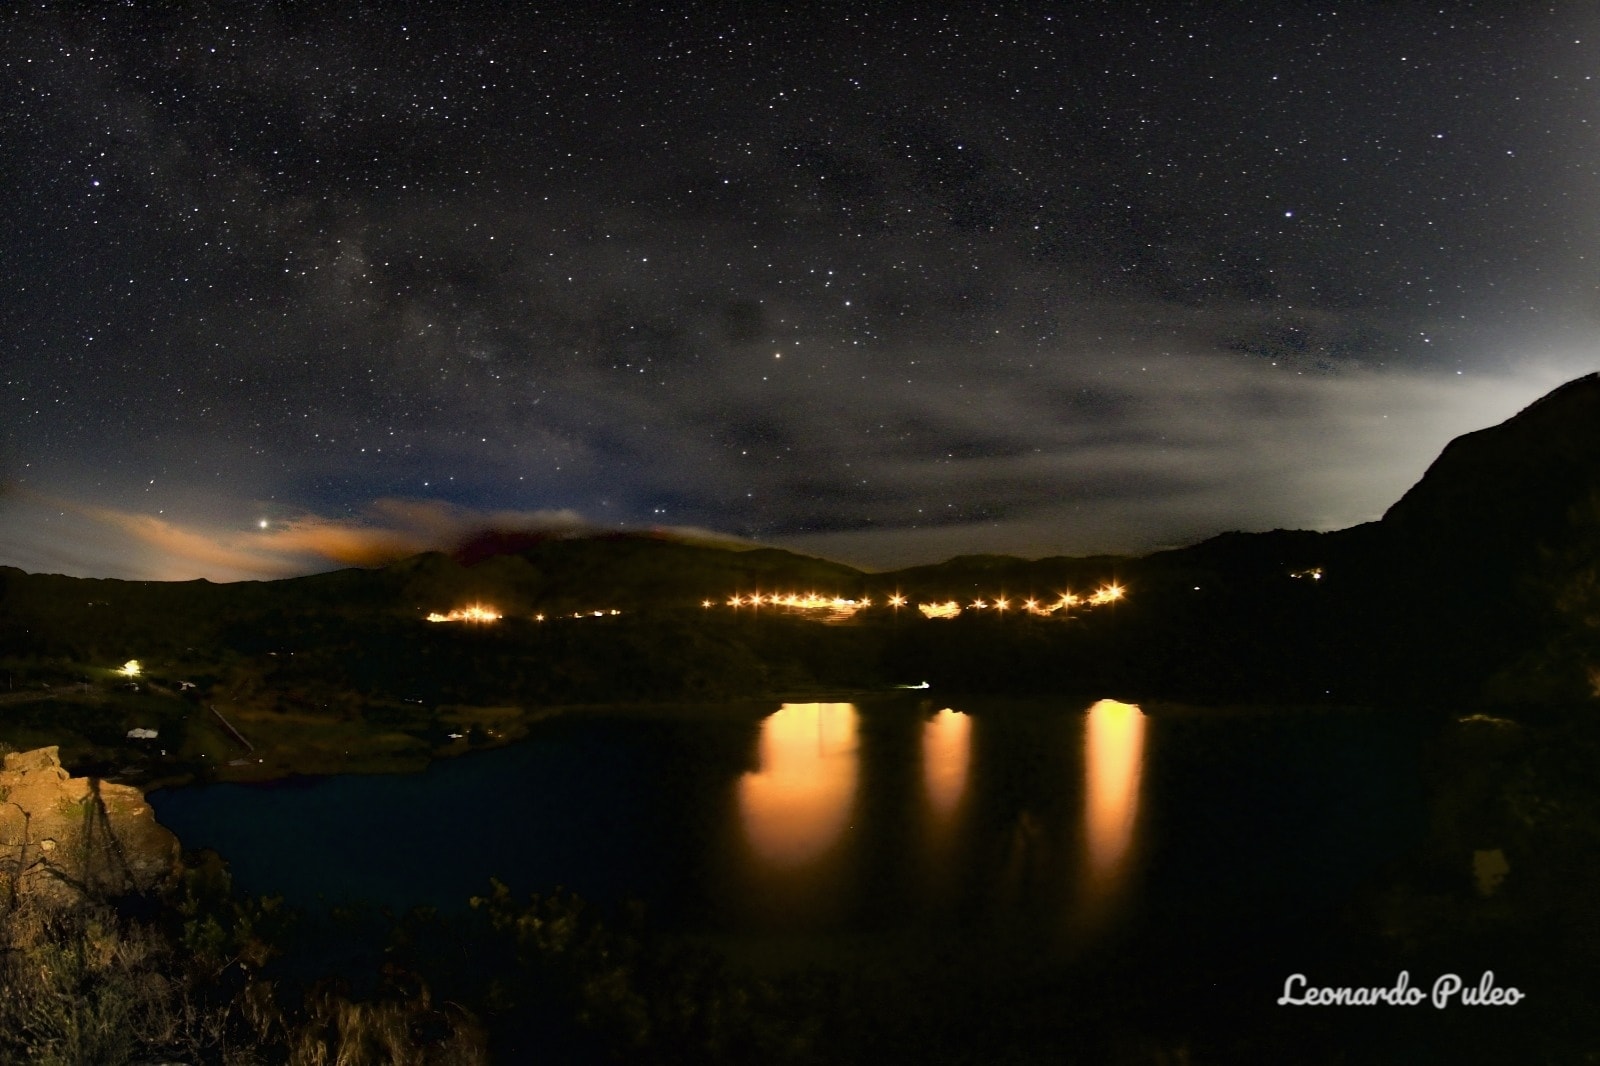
{"x":295,"y":286}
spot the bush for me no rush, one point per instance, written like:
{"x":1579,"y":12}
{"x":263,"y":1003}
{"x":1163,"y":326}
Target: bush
{"x":98,"y":983}
{"x":82,"y":986}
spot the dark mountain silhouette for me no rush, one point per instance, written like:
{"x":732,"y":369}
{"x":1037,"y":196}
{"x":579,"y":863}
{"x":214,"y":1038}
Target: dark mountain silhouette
{"x":1481,"y":565}
{"x":1498,"y":542}
{"x":1495,"y":498}
{"x":1481,"y":579}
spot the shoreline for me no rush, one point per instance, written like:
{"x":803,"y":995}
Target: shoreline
{"x":515,"y":724}
{"x":512,"y":728}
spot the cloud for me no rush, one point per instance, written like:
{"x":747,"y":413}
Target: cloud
{"x":148,"y":547}
{"x":975,"y":366}
{"x":1198,"y":445}
{"x":1142,"y":450}
{"x":191,"y":549}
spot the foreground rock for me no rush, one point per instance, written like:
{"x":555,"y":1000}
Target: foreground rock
{"x":64,"y":838}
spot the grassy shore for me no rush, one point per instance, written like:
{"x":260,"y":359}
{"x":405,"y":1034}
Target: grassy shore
{"x":235,"y":728}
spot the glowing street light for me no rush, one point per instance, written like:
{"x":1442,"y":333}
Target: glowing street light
{"x":1106,"y":594}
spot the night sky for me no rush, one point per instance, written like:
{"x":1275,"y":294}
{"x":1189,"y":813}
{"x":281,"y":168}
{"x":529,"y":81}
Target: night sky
{"x":297,"y":286}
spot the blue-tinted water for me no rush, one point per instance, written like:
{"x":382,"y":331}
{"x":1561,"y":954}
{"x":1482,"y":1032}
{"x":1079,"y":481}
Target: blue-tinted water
{"x":886,"y":815}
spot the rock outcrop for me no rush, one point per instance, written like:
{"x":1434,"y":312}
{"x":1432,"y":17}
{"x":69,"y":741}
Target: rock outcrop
{"x":63,"y":838}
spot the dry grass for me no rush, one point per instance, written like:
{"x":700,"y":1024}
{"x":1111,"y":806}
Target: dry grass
{"x":83,"y":985}
{"x":76,"y":986}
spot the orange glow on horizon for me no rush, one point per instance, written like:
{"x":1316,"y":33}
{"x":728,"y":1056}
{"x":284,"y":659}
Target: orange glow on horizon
{"x":795,"y":806}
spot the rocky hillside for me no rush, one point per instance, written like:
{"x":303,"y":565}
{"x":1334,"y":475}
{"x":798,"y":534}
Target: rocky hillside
{"x":65,"y":838}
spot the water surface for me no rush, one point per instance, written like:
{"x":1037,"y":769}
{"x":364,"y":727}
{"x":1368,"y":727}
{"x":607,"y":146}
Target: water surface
{"x":1057,"y":822}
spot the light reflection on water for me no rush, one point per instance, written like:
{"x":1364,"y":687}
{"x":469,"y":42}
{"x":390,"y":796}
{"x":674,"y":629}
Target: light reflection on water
{"x":796,"y":803}
{"x":1113,"y":765}
{"x":946,"y":755}
{"x":1011,"y":819}
{"x":796,"y":806}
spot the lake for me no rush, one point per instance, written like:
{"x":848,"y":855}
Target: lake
{"x":1181,"y":855}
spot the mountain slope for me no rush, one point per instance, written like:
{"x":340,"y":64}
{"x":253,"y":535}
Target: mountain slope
{"x":1488,"y":569}
{"x":1494,"y":497}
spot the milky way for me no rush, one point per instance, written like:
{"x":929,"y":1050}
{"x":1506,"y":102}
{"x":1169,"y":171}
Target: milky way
{"x":314,"y":285}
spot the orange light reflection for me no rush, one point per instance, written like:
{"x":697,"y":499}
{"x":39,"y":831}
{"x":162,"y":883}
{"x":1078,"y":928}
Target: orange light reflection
{"x":946,"y":749}
{"x":795,"y":806}
{"x":1113,"y":761}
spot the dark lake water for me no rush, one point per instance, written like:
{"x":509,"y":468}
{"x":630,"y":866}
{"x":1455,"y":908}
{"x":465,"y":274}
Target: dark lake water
{"x":996,"y":880}
{"x":1062,"y":822}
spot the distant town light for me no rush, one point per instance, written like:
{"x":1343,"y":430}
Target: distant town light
{"x":477,"y":613}
{"x":131,"y":668}
{"x":840,"y":608}
{"x":837,"y":608}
